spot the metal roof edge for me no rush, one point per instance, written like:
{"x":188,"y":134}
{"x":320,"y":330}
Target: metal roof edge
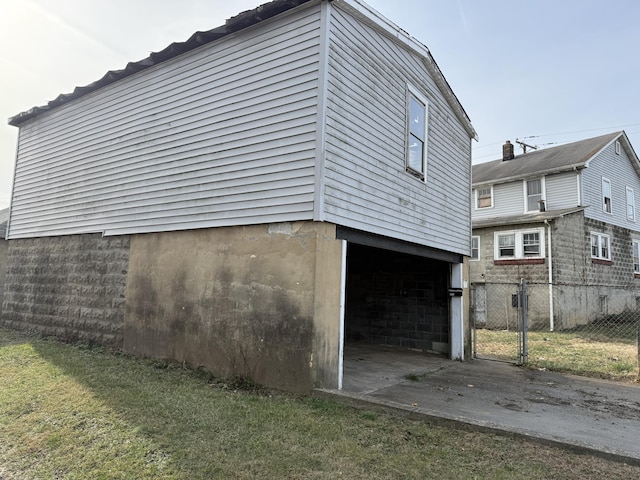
{"x":232,"y":25}
{"x":538,"y":217}
{"x":395,"y":32}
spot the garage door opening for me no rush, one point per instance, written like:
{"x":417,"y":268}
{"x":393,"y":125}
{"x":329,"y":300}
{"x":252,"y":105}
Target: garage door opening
{"x":396,"y":313}
{"x":396,"y":299}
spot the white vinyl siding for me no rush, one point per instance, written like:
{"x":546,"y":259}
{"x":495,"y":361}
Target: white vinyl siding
{"x":223,"y":135}
{"x":508,"y":199}
{"x":367,"y":186}
{"x":620,"y":171}
{"x":561,"y":191}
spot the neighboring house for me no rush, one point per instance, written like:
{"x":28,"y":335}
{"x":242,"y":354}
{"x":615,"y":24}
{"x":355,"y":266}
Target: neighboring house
{"x":250,"y":200}
{"x":565,"y":220}
{"x":4,"y":216}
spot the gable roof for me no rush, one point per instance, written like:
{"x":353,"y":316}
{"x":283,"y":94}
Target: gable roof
{"x":247,"y":19}
{"x":546,"y":161}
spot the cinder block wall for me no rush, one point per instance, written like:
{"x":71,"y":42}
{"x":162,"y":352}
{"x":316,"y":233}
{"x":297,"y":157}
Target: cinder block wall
{"x":4,"y":247}
{"x":70,"y":287}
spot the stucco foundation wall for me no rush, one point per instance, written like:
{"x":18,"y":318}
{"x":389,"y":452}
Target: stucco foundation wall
{"x":239,"y":301}
{"x":71,"y":287}
{"x":4,"y":248}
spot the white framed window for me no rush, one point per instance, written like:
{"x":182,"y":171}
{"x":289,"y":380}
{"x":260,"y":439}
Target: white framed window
{"x":416,"y":155}
{"x":519,"y":244}
{"x":636,"y":257}
{"x":484,"y":197}
{"x":606,"y":195}
{"x":617,"y":147}
{"x":600,"y":246}
{"x":534,"y":193}
{"x":631,"y":205}
{"x":475,"y":247}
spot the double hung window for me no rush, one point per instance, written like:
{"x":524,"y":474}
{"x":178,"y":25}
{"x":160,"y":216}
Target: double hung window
{"x":606,"y":195}
{"x":416,"y":160}
{"x":521,"y":244}
{"x":534,"y":194}
{"x":600,"y":246}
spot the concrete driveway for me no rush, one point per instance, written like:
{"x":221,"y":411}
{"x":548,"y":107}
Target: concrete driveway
{"x":593,"y":415}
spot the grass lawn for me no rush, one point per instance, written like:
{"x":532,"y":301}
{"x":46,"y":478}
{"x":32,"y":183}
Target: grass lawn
{"x":579,"y":351}
{"x":68,"y":412}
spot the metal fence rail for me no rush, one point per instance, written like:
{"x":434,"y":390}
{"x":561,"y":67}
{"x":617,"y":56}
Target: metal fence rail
{"x":584,"y":329}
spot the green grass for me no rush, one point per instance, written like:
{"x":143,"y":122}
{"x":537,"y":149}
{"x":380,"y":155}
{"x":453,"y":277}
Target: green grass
{"x":68,"y":412}
{"x":611,"y":355}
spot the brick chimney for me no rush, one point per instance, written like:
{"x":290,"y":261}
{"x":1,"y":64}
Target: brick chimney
{"x":507,"y":151}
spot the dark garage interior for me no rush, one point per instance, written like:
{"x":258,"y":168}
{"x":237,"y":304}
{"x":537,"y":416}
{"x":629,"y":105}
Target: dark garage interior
{"x":396,"y":299}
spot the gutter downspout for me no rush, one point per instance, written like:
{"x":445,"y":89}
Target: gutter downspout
{"x":551,"y":325}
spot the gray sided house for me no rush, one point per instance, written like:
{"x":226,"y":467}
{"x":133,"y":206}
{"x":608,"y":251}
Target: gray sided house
{"x":250,"y":200}
{"x":565,"y":220}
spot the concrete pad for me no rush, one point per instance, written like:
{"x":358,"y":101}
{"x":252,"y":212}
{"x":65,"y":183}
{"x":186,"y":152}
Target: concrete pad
{"x":589,"y":414}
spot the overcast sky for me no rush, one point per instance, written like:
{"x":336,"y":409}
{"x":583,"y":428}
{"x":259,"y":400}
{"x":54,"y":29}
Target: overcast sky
{"x":559,"y":70}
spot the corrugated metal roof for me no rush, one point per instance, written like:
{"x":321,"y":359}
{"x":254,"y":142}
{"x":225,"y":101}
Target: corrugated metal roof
{"x":555,"y":159}
{"x":232,"y":25}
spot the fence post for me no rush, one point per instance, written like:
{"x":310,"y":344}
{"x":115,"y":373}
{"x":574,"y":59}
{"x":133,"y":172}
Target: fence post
{"x":524,"y":355}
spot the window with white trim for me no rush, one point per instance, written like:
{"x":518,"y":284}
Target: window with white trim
{"x":631,"y":205}
{"x":533,"y":190}
{"x":600,"y":246}
{"x":617,"y":147}
{"x":519,"y":244}
{"x":416,"y":155}
{"x":606,"y":195}
{"x":636,"y":257}
{"x":475,"y":247}
{"x":484,"y":197}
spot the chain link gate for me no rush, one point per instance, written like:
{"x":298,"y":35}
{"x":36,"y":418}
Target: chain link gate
{"x":500,"y":321}
{"x":584,"y":329}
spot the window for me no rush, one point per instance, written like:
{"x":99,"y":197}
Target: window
{"x":484,"y":197}
{"x":631,"y":205}
{"x":617,"y":148}
{"x":416,"y":135}
{"x":531,"y":244}
{"x":475,"y":248}
{"x":636,"y":256}
{"x":600,"y":246}
{"x":506,"y":245}
{"x":534,"y":194}
{"x":521,"y":244}
{"x":606,"y":195}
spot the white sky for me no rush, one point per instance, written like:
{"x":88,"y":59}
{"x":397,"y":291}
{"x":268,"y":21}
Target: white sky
{"x":561,"y":70}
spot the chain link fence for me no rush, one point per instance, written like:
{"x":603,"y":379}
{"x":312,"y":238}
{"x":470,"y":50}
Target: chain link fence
{"x":589,"y":330}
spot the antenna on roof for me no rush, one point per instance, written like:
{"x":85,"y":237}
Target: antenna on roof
{"x":524,"y":146}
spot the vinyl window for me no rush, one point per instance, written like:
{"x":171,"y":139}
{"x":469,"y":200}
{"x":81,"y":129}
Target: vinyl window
{"x":534,"y":194}
{"x":519,"y":244}
{"x":600,"y":246}
{"x":606,"y":195}
{"x":636,"y":256}
{"x":416,"y":155}
{"x":475,"y":247}
{"x":631,"y":205}
{"x":484,"y":197}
